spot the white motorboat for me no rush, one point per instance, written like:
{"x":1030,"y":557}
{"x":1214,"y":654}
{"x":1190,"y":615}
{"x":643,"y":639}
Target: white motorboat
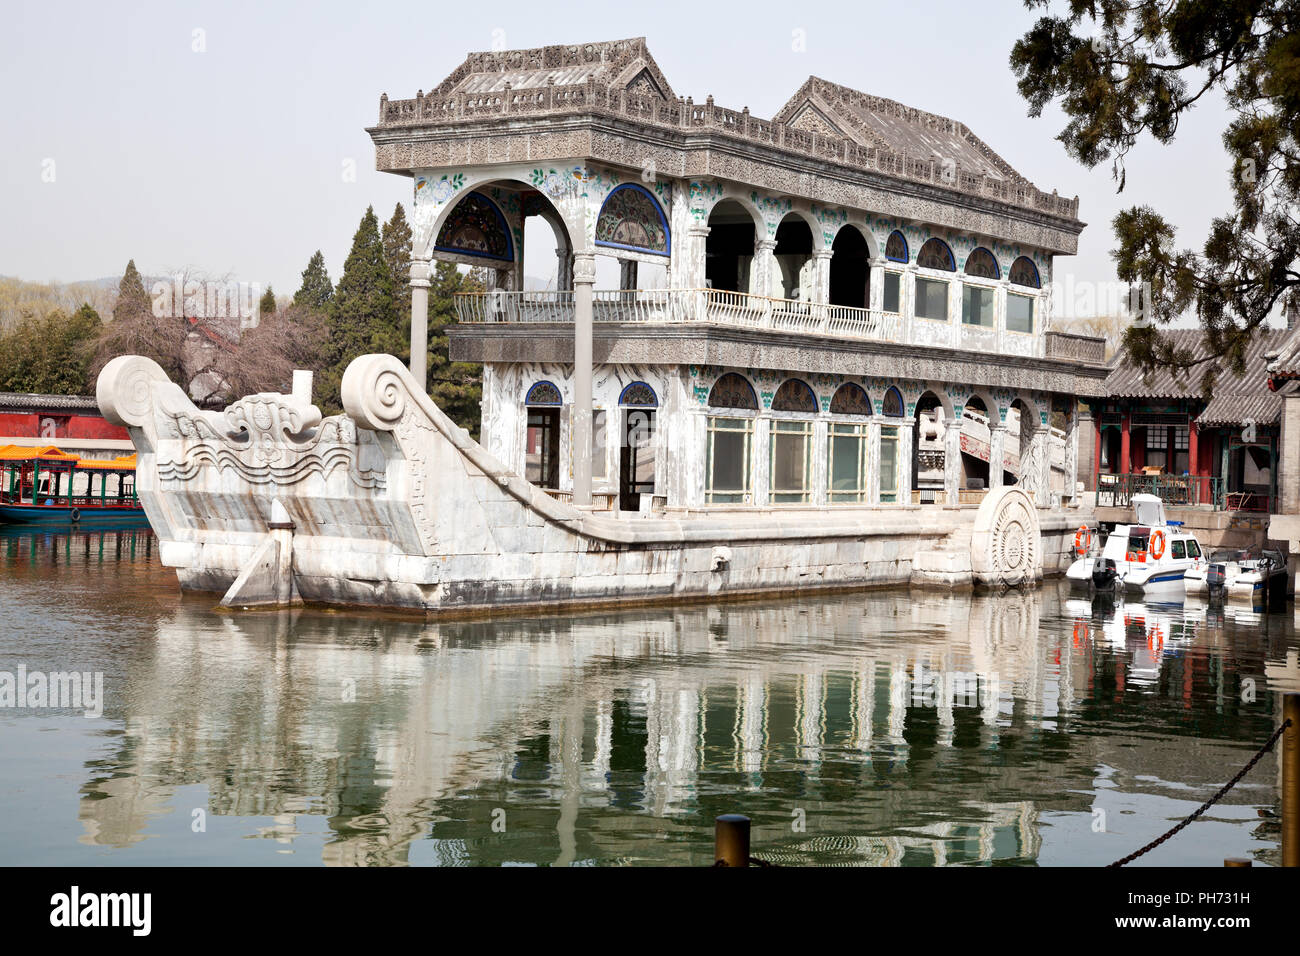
{"x":1239,"y":575}
{"x":1149,"y":557}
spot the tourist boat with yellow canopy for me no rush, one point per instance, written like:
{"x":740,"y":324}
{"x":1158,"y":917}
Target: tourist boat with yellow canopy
{"x":41,"y":486}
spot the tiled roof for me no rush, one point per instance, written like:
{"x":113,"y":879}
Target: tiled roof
{"x":31,"y":401}
{"x":1236,"y":398}
{"x":876,"y":121}
{"x":1284,"y":363}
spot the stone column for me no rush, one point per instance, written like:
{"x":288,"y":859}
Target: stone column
{"x":1042,"y":460}
{"x":764,"y":267}
{"x":1071,"y":487}
{"x":822,"y":276}
{"x":997,"y":452}
{"x":1288,"y":464}
{"x":907,"y":304}
{"x":952,"y":461}
{"x":420,"y":322}
{"x":876,"y":286}
{"x":584,"y":278}
{"x":695,"y":274}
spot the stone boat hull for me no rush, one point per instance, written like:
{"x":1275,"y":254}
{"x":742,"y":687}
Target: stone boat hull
{"x":393,"y":505}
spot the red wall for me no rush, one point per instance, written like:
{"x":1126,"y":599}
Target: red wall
{"x":28,"y":425}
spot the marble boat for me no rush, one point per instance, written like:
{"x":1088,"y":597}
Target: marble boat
{"x":393,"y":505}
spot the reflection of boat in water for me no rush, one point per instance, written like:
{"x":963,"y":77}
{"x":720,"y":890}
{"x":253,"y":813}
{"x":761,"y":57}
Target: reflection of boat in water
{"x":1149,"y":557}
{"x":1248,"y":575}
{"x":36,"y":487}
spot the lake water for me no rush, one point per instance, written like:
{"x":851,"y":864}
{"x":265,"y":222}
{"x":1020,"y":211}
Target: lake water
{"x":876,"y":728}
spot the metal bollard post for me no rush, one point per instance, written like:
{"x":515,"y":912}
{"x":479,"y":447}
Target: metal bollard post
{"x":1291,"y":781}
{"x":731,"y":840}
{"x":1236,"y":861}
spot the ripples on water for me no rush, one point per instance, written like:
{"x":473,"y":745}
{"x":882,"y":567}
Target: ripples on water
{"x":873,"y":728}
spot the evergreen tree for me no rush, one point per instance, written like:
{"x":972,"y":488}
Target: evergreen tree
{"x":397,"y":250}
{"x":267,"y":305}
{"x":132,"y":300}
{"x":317,"y":292}
{"x":362,"y":312}
{"x":1121,"y":70}
{"x":52,"y":354}
{"x":456,"y":387}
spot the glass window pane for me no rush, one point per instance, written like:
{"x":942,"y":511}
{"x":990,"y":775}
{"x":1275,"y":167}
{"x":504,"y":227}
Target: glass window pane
{"x":889,"y":464}
{"x":846,"y":464}
{"x":1178,"y":550}
{"x":977,"y":306}
{"x":890,"y":303}
{"x":728,"y":464}
{"x":790,"y":445}
{"x":932,"y":299}
{"x":1020,"y":313}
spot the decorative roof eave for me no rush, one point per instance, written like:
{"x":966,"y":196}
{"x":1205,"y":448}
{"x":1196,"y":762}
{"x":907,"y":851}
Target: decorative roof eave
{"x":515,"y":108}
{"x":689,"y":153}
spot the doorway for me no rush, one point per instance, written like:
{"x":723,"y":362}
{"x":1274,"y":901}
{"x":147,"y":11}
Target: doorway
{"x":636,"y":472}
{"x":542,"y":449}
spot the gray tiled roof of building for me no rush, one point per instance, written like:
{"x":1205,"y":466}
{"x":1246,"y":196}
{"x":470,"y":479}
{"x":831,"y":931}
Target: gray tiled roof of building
{"x":1237,"y":398}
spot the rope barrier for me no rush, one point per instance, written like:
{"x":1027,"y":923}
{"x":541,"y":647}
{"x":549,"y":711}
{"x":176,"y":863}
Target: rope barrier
{"x":1210,"y":802}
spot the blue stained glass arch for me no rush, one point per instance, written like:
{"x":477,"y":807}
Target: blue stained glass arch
{"x":543,"y":393}
{"x":935,"y":254}
{"x":1024,"y":272}
{"x":892,"y":405}
{"x":639,"y":395}
{"x":794,"y":396}
{"x":896,"y":247}
{"x":476,"y":227}
{"x":631,"y":218}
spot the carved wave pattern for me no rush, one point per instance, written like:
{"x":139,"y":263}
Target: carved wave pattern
{"x":323,"y":463}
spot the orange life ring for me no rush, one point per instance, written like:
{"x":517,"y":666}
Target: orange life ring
{"x":1082,"y":540}
{"x":1157,"y":544}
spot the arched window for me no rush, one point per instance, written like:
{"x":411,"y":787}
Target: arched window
{"x":733,"y":391}
{"x":794,"y":396}
{"x":935,"y":254}
{"x":476,"y":228}
{"x":850,"y":399}
{"x":1024,"y":272}
{"x":896,"y":247}
{"x":892,"y":406}
{"x":791,"y":447}
{"x":543,"y":393}
{"x":728,"y":474}
{"x":981,"y":263}
{"x":639,"y":395}
{"x":542,"y":438}
{"x":631,"y":218}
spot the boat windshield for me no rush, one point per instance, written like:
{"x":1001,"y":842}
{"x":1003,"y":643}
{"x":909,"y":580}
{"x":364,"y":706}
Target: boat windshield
{"x":1137,"y":542}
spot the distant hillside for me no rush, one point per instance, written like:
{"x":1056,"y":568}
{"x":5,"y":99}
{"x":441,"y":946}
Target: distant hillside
{"x":18,"y":296}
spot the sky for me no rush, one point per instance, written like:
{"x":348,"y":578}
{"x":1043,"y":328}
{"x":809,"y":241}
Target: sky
{"x":219,"y":137}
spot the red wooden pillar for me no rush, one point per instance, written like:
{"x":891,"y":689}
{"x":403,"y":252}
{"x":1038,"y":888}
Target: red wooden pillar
{"x":1125,"y":461}
{"x":1096,"y":458}
{"x":1193,"y":460}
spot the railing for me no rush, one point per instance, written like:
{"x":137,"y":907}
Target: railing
{"x":681,"y":305}
{"x":1075,"y":347}
{"x":1179,"y":490}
